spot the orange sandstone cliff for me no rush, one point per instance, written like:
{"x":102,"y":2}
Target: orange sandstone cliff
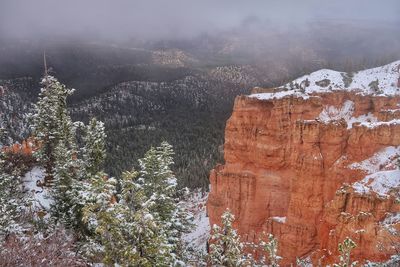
{"x":315,"y":163}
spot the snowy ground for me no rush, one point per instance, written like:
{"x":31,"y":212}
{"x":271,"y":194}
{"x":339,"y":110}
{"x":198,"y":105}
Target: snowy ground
{"x":384,"y":159}
{"x":41,"y":195}
{"x":331,"y":113}
{"x":196,"y":240}
{"x":326,"y":80}
{"x":380,"y":182}
{"x":383,"y":173}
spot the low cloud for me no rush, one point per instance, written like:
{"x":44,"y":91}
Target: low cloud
{"x":152,"y":19}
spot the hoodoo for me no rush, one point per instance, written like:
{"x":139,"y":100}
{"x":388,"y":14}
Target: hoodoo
{"x":313,"y":162}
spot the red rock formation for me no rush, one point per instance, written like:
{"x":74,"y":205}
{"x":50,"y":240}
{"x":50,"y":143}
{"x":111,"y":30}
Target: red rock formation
{"x":283,"y":160}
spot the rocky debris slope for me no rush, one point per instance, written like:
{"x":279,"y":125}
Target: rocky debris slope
{"x":315,"y":163}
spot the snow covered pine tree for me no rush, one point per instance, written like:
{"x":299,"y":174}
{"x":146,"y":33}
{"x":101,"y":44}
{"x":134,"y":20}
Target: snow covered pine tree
{"x":50,"y":119}
{"x":225,"y":247}
{"x":142,"y":225}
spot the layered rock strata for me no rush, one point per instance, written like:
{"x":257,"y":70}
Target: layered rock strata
{"x":313,"y":165}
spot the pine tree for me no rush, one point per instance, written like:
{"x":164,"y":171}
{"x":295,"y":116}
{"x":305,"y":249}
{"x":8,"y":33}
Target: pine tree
{"x":94,"y":152}
{"x":68,"y":188}
{"x":99,"y":195}
{"x":58,"y":152}
{"x":50,"y":119}
{"x":127,"y":231}
{"x":160,"y":185}
{"x":271,"y":247}
{"x":13,"y":202}
{"x":143,"y":224}
{"x":225,"y":247}
{"x":11,"y":205}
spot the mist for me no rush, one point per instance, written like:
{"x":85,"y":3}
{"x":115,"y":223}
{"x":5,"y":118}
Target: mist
{"x":122,"y":20}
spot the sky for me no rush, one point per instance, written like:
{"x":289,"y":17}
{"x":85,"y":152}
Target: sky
{"x":152,"y":19}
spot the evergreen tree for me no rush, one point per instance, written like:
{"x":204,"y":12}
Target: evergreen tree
{"x":100,"y":193}
{"x":68,"y":188}
{"x":58,"y":152}
{"x":143,"y":224}
{"x":127,"y":232}
{"x":13,"y":202}
{"x":271,"y":247}
{"x":225,"y":247}
{"x":160,"y":185}
{"x":345,"y":249}
{"x":50,"y":119}
{"x":94,"y":152}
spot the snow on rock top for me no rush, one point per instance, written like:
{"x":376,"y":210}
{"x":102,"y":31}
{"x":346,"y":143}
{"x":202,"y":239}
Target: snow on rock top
{"x":384,"y":80}
{"x":380,"y":182}
{"x":383,"y":176}
{"x":331,"y":113}
{"x":280,"y":94}
{"x":385,"y":159}
{"x":390,"y":221}
{"x":279,"y":219}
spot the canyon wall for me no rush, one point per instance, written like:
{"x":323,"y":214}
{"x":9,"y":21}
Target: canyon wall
{"x":313,"y":170}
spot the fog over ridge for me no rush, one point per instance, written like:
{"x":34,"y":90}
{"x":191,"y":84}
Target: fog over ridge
{"x":152,"y":19}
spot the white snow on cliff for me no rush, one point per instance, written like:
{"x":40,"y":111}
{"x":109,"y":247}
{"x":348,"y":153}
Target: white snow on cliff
{"x":385,"y":78}
{"x":390,"y":221}
{"x":280,"y":94}
{"x":383,"y":173}
{"x":279,"y":219}
{"x":331,"y":113}
{"x":384,"y":159}
{"x":380,"y":182}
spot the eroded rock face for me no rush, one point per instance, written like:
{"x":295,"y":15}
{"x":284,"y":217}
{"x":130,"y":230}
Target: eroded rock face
{"x":291,"y":169}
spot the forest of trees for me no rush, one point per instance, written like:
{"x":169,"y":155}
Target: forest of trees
{"x":136,"y":220}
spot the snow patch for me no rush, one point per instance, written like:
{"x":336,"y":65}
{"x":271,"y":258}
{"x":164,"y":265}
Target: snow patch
{"x":392,"y":110}
{"x":325,"y":80}
{"x":392,"y":218}
{"x":393,"y":261}
{"x":331,"y":113}
{"x":384,"y":159}
{"x":196,"y":240}
{"x":380,"y":123}
{"x":381,"y":183}
{"x":41,"y":195}
{"x":278,"y":95}
{"x":279,"y":219}
{"x":383,"y":173}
